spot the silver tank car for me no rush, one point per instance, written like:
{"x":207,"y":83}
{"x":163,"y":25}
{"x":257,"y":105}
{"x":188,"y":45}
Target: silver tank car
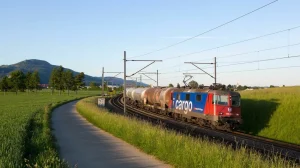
{"x":138,"y":94}
{"x":129,"y":92}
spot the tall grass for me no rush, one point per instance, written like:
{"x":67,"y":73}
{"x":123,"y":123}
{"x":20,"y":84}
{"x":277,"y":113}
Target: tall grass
{"x":174,"y":148}
{"x":273,"y":113}
{"x":25,"y":134}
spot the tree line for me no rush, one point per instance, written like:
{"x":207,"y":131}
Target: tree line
{"x":194,"y":85}
{"x":61,"y":79}
{"x":19,"y":81}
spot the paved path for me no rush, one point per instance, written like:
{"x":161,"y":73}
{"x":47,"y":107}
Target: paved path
{"x":85,"y":145}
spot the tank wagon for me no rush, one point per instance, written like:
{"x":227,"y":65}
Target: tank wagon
{"x":214,"y":108}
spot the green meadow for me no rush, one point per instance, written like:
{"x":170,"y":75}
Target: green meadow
{"x":25,"y":134}
{"x":273,"y":113}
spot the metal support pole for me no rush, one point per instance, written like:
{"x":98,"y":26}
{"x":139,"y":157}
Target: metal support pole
{"x":215,"y":71}
{"x":124,"y":93}
{"x":156,"y":78}
{"x":136,"y":81}
{"x":102,"y":81}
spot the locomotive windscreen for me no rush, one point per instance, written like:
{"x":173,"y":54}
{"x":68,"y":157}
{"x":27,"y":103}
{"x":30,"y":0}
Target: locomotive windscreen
{"x":235,"y":101}
{"x":220,"y":99}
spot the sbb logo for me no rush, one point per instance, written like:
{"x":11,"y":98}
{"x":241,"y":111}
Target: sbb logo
{"x":184,"y":105}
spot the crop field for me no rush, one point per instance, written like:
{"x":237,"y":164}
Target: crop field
{"x":25,"y":133}
{"x":272,"y":113}
{"x":173,"y":148}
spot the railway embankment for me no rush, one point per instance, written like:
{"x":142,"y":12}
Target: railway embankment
{"x":172,"y":147}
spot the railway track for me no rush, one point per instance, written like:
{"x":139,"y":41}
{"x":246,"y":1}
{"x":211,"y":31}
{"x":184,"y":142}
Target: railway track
{"x":236,"y":139}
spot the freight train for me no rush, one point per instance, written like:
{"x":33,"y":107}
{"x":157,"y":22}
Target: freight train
{"x":217,"y":109}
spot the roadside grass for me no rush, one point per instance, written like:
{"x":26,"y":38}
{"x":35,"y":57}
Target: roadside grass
{"x":272,"y":113}
{"x":173,"y":148}
{"x":25,"y":130}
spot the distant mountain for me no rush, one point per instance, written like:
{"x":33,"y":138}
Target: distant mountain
{"x":45,"y":68}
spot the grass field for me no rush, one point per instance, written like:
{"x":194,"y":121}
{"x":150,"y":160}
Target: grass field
{"x":176,"y":149}
{"x":25,"y":133}
{"x":273,"y":113}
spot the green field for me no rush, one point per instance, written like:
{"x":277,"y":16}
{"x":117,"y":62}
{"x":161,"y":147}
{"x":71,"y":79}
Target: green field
{"x":174,"y":148}
{"x":273,"y":113}
{"x":25,"y":134}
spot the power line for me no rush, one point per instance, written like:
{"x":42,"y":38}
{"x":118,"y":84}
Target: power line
{"x":172,"y":45}
{"x":234,"y":43}
{"x":226,"y":45}
{"x":248,"y":62}
{"x":238,"y":63}
{"x":250,"y":52}
{"x":296,"y":66}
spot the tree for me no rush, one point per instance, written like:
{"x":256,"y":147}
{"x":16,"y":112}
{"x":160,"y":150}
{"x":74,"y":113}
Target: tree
{"x":240,"y":87}
{"x":28,"y":81}
{"x":201,"y":86}
{"x":79,"y":82}
{"x":35,"y":80}
{"x":272,"y":86}
{"x":4,"y":84}
{"x":53,"y":79}
{"x":60,"y":79}
{"x":18,"y":80}
{"x":178,"y":85}
{"x":57,"y":79}
{"x":193,"y":84}
{"x":93,"y":85}
{"x":171,"y":85}
{"x":68,"y":79}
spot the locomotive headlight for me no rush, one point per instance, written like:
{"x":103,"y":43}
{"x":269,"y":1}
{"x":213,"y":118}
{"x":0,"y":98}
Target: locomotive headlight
{"x":229,"y":109}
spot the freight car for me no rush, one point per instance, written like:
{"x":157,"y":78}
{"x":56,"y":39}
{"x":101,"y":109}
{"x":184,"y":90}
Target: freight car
{"x":217,"y":109}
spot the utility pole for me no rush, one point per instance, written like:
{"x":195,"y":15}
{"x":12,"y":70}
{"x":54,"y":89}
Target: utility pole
{"x":215,"y":69}
{"x":156,"y":78}
{"x":102,"y":81}
{"x":153,"y":73}
{"x":140,"y":80}
{"x":124,"y":93}
{"x":108,"y":80}
{"x":136,"y":81}
{"x":125,"y":60}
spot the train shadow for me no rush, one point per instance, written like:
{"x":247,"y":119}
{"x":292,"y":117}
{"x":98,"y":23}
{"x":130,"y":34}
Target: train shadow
{"x":256,"y":114}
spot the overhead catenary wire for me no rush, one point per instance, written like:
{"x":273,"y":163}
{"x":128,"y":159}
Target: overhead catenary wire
{"x":239,"y":63}
{"x":249,"y":70}
{"x":286,"y":67}
{"x":212,"y":29}
{"x":230,"y":44}
{"x":250,"y":52}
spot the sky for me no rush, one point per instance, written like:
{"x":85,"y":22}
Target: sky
{"x":88,"y":35}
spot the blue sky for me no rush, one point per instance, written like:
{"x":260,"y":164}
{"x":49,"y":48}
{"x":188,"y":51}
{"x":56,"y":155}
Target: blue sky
{"x":87,"y":35}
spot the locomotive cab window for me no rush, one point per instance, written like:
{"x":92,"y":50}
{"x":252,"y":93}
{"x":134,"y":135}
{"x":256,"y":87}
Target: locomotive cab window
{"x":187,"y":97}
{"x":198,"y":97}
{"x":220,"y":100}
{"x":235,"y":101}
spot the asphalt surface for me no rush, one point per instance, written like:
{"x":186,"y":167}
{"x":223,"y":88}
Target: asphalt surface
{"x":83,"y":145}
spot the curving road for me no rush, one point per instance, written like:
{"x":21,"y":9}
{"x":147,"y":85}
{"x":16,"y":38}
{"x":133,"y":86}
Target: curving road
{"x":83,"y":145}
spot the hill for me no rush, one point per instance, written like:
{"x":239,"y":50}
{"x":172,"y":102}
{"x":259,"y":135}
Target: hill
{"x":45,"y":68}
